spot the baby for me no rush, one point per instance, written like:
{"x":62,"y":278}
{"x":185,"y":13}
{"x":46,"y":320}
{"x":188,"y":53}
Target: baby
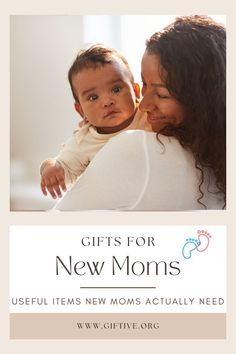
{"x":107,"y":98}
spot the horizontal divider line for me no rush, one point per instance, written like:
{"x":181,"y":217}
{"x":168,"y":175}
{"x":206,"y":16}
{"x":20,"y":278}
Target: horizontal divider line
{"x":117,"y":287}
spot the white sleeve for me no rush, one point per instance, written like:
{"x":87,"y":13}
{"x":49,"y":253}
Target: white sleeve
{"x":114,"y":180}
{"x":72,"y":160}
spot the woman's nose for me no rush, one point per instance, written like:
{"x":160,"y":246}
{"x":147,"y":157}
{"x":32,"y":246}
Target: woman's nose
{"x":145,"y":104}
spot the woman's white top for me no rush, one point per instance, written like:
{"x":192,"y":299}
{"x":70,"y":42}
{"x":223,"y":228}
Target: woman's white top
{"x":135,"y":171}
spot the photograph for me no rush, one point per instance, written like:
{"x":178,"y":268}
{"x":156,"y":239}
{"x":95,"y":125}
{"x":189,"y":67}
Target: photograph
{"x":128,"y":117}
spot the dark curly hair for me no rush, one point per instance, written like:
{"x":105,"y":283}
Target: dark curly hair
{"x":192,"y":51}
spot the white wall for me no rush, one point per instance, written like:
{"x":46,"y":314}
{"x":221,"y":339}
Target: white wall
{"x":42,"y":113}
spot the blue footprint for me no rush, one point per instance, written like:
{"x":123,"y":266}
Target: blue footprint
{"x":189,"y":247}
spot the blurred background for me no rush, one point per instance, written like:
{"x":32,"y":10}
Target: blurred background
{"x":42,"y":49}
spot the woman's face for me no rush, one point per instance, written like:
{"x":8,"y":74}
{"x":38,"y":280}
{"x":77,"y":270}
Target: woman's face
{"x":162,"y":109}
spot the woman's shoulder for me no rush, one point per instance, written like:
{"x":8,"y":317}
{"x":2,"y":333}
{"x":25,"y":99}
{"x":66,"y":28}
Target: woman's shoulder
{"x":129,"y":139}
{"x":132,"y":137}
{"x":139,"y":135}
{"x":149,"y":140}
{"x":128,"y":134}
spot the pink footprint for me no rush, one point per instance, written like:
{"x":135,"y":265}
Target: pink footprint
{"x":204,"y":239}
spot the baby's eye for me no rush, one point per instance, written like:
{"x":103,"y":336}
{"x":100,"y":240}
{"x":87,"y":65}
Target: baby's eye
{"x":116,"y":89}
{"x":92,"y":97}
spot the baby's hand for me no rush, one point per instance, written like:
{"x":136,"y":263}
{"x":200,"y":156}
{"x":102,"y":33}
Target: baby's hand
{"x":52,"y":179}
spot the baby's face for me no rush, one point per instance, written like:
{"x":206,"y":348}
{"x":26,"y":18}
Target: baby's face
{"x":107,"y":97}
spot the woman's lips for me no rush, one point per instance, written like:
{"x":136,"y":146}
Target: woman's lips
{"x":151,"y":118}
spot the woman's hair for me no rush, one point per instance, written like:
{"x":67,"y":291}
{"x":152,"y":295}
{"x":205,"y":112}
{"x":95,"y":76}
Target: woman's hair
{"x":93,"y":57}
{"x":192,"y":52}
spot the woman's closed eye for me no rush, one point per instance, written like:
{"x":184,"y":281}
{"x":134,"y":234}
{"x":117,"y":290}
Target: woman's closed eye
{"x":162,"y":96}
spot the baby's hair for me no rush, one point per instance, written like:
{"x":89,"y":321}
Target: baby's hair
{"x":94,"y":57}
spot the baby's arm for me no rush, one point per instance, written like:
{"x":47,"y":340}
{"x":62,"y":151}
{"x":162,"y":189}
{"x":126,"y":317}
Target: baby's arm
{"x":63,"y":170}
{"x":52,"y":178}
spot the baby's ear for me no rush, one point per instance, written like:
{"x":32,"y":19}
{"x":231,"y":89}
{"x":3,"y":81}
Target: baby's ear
{"x":136,"y":90}
{"x":78,"y":109}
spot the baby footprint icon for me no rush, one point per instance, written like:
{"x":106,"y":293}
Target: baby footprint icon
{"x":190,"y":246}
{"x":204,"y":240}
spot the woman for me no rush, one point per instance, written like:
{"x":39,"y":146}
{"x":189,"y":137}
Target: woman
{"x":182,"y":166}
